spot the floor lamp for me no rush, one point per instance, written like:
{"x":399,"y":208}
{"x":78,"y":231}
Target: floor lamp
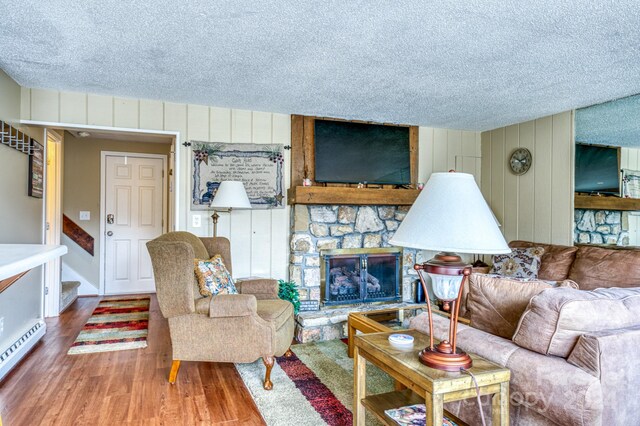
{"x":230,"y":195}
{"x":450,"y":216}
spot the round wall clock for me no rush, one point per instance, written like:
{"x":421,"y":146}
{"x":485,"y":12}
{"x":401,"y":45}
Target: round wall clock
{"x":520,"y":161}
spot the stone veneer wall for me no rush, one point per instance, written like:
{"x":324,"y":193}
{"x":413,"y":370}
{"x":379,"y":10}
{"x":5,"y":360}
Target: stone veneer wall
{"x":601,"y":227}
{"x":316,"y":228}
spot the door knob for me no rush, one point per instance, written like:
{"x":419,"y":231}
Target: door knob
{"x":109,"y":233}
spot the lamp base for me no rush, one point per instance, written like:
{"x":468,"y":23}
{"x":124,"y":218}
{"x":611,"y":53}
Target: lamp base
{"x":443,"y":361}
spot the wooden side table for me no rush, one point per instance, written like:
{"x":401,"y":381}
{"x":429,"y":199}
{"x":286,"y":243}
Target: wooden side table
{"x":424,"y":384}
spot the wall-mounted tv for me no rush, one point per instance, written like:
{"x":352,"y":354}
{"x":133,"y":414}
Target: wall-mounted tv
{"x":361,"y":153}
{"x":597,"y":169}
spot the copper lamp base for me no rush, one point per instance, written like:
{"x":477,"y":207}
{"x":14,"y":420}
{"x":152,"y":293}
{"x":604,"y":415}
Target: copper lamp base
{"x":444,"y":360}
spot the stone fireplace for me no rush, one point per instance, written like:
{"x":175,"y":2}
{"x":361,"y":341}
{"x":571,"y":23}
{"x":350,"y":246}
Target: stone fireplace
{"x":320,"y":229}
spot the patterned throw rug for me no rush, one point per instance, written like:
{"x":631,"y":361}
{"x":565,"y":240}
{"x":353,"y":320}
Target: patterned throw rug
{"x":115,"y":325}
{"x":312,"y":388}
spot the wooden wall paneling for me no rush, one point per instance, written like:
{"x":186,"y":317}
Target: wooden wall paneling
{"x":261,"y":243}
{"x":440,"y":142}
{"x":543,"y":184}
{"x":45,"y":105}
{"x":297,"y":150}
{"x":561,"y":166}
{"x":25,"y":103}
{"x":241,"y":126}
{"x":126,"y":113}
{"x":151,"y":114}
{"x":197,"y":130}
{"x":220,"y":131}
{"x":175,"y":119}
{"x":281,"y":133}
{"x":198,"y":123}
{"x":498,"y":170}
{"x":309,"y":148}
{"x":414,"y":153}
{"x":73,"y":107}
{"x":425,"y":164}
{"x":526,"y":202}
{"x":241,"y":231}
{"x":511,"y":186}
{"x":485,"y":183}
{"x":220,"y":124}
{"x":454,"y":148}
{"x":99,"y":110}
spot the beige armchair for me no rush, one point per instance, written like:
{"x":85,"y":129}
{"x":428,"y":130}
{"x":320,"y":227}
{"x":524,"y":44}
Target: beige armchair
{"x":225,"y":328}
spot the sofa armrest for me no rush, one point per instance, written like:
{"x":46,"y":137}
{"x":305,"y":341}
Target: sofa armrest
{"x":233,"y":305}
{"x":609,"y":356}
{"x":261,"y":288}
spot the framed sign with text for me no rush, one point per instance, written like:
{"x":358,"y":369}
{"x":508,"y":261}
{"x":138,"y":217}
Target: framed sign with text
{"x":258,"y":166}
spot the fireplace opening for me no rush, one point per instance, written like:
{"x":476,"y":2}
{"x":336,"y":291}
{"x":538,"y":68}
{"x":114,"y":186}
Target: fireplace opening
{"x":361,"y":275}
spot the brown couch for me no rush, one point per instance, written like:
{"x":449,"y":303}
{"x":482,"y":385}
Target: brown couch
{"x":224,"y":328}
{"x":580,"y":369}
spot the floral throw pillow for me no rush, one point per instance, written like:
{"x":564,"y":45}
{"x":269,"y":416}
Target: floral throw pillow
{"x":520,"y":263}
{"x":213,"y":277}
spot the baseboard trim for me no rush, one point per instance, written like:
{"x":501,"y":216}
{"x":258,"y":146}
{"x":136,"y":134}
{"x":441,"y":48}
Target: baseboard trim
{"x":14,"y":353}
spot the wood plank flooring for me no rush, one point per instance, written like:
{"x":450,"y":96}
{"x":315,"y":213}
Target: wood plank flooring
{"x":129,"y":387}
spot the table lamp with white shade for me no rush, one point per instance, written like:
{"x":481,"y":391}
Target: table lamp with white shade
{"x":230,"y":195}
{"x":450,"y":216}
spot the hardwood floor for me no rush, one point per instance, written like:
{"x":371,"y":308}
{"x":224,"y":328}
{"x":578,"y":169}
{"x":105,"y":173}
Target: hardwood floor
{"x":128,"y":387}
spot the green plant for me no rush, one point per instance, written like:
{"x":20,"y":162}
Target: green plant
{"x":288,"y":290}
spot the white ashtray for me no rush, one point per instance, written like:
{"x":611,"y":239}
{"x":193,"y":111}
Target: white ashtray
{"x":401,"y":340}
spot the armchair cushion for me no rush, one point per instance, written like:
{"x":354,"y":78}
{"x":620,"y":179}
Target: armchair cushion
{"x":276,"y":311}
{"x":213,"y":277}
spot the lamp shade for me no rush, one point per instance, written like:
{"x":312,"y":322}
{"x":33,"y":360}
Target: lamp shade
{"x":451,"y":215}
{"x":231,"y":195}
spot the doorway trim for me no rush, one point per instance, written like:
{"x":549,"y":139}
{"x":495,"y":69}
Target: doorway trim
{"x":176,"y":166}
{"x":103,"y":201}
{"x":53,"y":224}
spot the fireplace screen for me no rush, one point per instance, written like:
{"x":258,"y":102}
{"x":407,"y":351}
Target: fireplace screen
{"x":361,"y":275}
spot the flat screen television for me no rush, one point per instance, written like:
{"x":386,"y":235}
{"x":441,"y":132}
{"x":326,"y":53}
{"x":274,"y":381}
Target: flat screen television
{"x":361,"y":153}
{"x":597,"y":169}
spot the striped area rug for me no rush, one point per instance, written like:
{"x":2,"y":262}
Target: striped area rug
{"x":115,"y":325}
{"x":312,"y":388}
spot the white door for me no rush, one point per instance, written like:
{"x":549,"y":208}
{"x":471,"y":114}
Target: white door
{"x":134,"y":201}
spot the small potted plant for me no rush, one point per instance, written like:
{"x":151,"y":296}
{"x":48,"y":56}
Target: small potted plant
{"x":288,"y":290}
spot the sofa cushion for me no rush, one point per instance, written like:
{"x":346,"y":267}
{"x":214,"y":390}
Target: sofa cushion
{"x":597,"y":267}
{"x":495,"y":304}
{"x":520,"y":263}
{"x":276,"y":311}
{"x":554,"y":320}
{"x":556,"y":261}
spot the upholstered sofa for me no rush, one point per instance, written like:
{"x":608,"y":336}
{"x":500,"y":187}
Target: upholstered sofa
{"x":558,"y":375}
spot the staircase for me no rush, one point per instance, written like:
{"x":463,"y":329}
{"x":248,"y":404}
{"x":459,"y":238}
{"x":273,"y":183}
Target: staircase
{"x":69,"y":294}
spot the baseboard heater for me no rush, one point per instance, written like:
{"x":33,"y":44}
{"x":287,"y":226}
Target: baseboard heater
{"x":16,"y":351}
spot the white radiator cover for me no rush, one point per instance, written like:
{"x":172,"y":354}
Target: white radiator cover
{"x":17,"y":350}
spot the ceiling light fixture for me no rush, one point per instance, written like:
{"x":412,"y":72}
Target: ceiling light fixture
{"x":84,"y":134}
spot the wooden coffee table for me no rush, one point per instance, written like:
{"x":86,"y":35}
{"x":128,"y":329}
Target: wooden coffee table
{"x":423,"y":384}
{"x":377,"y":321}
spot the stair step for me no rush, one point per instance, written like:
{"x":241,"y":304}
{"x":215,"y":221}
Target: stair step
{"x":68,"y":294}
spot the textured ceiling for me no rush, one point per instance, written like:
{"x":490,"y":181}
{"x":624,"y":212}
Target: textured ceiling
{"x":615,"y":123}
{"x":473,"y":65}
